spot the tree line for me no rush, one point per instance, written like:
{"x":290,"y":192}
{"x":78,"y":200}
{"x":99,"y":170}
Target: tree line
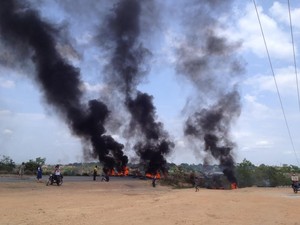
{"x":246,"y":172}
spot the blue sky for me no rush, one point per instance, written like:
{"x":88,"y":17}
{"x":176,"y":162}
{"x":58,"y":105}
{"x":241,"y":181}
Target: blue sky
{"x":30,"y":129}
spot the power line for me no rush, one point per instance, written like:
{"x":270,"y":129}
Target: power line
{"x":295,"y":65}
{"x":271,"y":66}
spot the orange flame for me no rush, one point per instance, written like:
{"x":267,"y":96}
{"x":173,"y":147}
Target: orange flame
{"x":233,"y":186}
{"x":124,"y":172}
{"x":112,"y":172}
{"x":149,"y":175}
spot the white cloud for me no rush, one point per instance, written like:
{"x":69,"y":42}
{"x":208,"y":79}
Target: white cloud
{"x":257,"y":145}
{"x":248,"y":30}
{"x":84,"y":38}
{"x":7,"y":83}
{"x":7,"y":132}
{"x":285,"y":80}
{"x":280,"y":12}
{"x":93,"y":87}
{"x":172,"y":41}
{"x":255,"y":109}
{"x":5,"y":112}
{"x":263,"y":144}
{"x":34,"y":135}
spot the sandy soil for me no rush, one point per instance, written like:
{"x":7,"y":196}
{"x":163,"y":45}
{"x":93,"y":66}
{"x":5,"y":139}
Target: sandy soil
{"x":134,"y":201}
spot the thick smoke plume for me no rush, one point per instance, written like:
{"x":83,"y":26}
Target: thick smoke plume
{"x":208,"y":60}
{"x":122,"y":33}
{"x":212,"y":126}
{"x":205,"y":57}
{"x":58,"y":80}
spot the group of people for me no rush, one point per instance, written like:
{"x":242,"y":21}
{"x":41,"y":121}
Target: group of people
{"x":56,"y":172}
{"x":105,"y":177}
{"x":39,"y":171}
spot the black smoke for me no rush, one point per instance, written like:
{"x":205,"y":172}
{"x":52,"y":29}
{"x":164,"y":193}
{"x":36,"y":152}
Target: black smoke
{"x":58,"y":80}
{"x":155,"y":143}
{"x":212,"y":126}
{"x":121,"y":33}
{"x":208,"y":59}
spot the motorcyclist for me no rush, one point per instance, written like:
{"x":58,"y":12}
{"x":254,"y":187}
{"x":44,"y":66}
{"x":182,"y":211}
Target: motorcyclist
{"x":55,"y":177}
{"x":295,"y":180}
{"x":57,"y":172}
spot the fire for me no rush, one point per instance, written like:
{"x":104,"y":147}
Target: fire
{"x":126,"y":171}
{"x":112,"y":172}
{"x":149,"y":175}
{"x":123,"y":172}
{"x":233,"y":186}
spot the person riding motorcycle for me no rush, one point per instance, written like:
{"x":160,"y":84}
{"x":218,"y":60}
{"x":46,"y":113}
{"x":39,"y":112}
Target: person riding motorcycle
{"x":57,"y":173}
{"x":55,"y":177}
{"x":295,"y":180}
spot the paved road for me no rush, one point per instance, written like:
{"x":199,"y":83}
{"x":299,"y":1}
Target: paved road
{"x":16,"y":178}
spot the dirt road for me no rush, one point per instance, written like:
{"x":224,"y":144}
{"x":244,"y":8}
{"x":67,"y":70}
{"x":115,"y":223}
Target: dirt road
{"x":134,"y":201}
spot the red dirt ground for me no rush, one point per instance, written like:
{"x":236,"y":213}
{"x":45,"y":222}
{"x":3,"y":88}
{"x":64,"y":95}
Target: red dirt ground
{"x":134,"y":201}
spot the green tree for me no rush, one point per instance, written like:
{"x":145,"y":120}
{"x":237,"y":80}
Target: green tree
{"x":40,"y":161}
{"x":7,"y":164}
{"x":245,"y":173}
{"x":32,"y":165}
{"x":270,"y":176}
{"x":294,"y":169}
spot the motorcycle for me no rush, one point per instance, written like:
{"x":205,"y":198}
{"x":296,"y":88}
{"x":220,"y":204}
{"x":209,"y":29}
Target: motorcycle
{"x":58,"y":179}
{"x":296,"y":187}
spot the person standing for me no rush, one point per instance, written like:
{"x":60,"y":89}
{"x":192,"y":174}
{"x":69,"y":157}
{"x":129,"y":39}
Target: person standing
{"x":39,"y":173}
{"x":154,"y":181}
{"x":197,"y":184}
{"x":22,"y":169}
{"x":95,"y":172}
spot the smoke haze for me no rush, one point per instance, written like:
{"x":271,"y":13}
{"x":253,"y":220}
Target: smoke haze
{"x":127,"y":67}
{"x":208,"y":61}
{"x":123,"y":31}
{"x":58,"y":80}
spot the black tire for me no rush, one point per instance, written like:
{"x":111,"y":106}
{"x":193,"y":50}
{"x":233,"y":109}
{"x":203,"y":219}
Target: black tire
{"x":59,"y":181}
{"x":49,"y":182}
{"x":295,"y":190}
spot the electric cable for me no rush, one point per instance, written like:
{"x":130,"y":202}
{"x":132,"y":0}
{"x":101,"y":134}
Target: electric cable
{"x":271,"y":66}
{"x":295,"y":64}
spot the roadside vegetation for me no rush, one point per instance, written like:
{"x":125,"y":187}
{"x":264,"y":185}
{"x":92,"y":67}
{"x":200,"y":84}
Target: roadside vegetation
{"x":178,"y":176}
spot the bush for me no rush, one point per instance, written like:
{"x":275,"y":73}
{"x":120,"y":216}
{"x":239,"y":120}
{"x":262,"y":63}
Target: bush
{"x":178,"y":179}
{"x":7,"y":165}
